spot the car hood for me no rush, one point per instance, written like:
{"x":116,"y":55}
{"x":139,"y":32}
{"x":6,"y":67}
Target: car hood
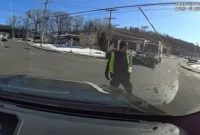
{"x":73,"y":91}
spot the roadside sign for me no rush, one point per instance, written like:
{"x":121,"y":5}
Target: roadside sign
{"x":88,"y":38}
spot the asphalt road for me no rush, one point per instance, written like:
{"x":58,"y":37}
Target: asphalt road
{"x":173,"y":89}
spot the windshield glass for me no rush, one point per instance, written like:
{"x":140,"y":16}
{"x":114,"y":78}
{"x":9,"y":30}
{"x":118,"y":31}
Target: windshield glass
{"x":133,"y":54}
{"x":151,"y":48}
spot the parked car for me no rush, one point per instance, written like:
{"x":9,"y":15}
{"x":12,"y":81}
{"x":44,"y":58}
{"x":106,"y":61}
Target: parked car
{"x":4,"y":38}
{"x":37,"y":39}
{"x":192,"y":59}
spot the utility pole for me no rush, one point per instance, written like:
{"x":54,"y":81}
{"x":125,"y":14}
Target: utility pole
{"x":29,"y":16}
{"x":43,"y":21}
{"x":19,"y":25}
{"x":152,"y":26}
{"x":11,"y":15}
{"x":13,"y":33}
{"x":109,"y":25}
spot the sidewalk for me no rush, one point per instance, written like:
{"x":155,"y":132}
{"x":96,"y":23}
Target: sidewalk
{"x":79,"y":51}
{"x":195,"y":67}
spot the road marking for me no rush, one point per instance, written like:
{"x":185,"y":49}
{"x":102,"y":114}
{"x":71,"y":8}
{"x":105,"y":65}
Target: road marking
{"x":187,"y":74}
{"x":196,"y":75}
{"x":169,"y":71}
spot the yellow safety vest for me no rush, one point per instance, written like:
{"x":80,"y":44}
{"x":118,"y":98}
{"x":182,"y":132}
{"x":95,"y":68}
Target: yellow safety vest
{"x":112,"y":60}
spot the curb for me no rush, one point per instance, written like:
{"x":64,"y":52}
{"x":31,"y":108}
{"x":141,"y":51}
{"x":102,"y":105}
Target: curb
{"x":185,"y":66}
{"x":40,"y":47}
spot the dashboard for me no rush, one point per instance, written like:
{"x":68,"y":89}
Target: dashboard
{"x":23,"y":121}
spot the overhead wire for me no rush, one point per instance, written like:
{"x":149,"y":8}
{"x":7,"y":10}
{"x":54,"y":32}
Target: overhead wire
{"x":138,"y":38}
{"x":119,"y":7}
{"x":63,"y":4}
{"x":96,"y":11}
{"x":127,"y":35}
{"x":117,"y":12}
{"x":9,"y":10}
{"x":137,"y":35}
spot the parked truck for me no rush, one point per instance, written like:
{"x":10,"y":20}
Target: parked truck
{"x":153,"y":52}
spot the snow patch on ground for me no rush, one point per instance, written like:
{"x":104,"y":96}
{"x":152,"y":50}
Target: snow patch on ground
{"x":81,"y":51}
{"x":196,"y":66}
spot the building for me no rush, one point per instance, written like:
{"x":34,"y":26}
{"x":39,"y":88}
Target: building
{"x":67,"y":38}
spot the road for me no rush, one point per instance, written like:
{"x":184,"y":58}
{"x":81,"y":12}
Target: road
{"x":174,"y":89}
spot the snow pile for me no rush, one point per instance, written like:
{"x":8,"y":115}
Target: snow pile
{"x":81,"y":51}
{"x":49,"y":46}
{"x":196,"y":66}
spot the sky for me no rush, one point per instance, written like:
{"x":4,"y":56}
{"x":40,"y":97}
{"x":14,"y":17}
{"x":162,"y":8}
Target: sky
{"x":182,"y":25}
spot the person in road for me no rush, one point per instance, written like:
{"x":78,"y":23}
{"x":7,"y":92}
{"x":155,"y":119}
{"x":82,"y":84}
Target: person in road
{"x":119,"y":67}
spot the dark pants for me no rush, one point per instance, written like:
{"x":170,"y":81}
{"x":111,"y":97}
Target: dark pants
{"x":122,"y":79}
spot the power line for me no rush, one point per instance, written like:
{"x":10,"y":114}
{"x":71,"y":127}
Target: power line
{"x":120,"y":7}
{"x":136,"y":10}
{"x":99,"y":13}
{"x":69,"y":5}
{"x":152,"y":26}
{"x":117,"y":12}
{"x":10,"y":10}
{"x":137,"y":35}
{"x":114,"y":33}
{"x":127,"y":36}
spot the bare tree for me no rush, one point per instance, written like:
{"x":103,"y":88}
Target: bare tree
{"x":97,"y":24}
{"x":78,"y":23}
{"x":24,"y":24}
{"x":90,"y":26}
{"x":13,"y":21}
{"x":62,"y":22}
{"x":36,"y":17}
{"x":49,"y":21}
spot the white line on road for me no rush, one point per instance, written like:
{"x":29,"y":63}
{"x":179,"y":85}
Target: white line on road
{"x":196,"y":75}
{"x":169,"y":71}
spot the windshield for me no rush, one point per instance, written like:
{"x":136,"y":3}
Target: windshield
{"x":151,"y":48}
{"x":134,"y":54}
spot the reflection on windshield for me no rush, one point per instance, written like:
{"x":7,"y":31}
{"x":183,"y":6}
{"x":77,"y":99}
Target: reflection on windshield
{"x":158,"y":95}
{"x":139,"y":62}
